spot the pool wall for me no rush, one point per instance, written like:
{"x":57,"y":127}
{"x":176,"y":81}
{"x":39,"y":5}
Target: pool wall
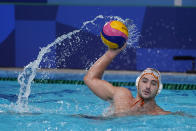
{"x":166,"y":31}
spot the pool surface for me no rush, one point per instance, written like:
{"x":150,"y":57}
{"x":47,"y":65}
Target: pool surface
{"x":61,"y":107}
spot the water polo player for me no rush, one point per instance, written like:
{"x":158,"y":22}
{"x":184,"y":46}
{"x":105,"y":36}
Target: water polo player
{"x":123,"y":103}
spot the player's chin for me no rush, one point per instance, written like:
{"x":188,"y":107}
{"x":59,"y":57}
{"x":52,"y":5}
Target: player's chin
{"x":147,"y":96}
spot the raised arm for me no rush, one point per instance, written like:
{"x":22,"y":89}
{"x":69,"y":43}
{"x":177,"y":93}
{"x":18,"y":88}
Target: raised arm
{"x":92,"y":79}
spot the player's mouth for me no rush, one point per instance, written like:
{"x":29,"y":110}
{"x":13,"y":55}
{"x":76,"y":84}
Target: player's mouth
{"x":146,"y":92}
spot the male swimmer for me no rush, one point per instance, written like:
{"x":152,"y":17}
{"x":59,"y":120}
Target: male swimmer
{"x":148,"y":86}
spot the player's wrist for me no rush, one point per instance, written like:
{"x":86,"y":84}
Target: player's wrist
{"x":112,"y":53}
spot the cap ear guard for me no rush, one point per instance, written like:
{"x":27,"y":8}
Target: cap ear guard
{"x":137,"y":81}
{"x":160,"y":88}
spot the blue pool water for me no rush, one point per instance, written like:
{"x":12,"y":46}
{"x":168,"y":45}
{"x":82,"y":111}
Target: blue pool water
{"x":56,"y":107}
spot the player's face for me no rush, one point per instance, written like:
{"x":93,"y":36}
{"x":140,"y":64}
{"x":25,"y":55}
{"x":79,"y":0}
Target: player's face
{"x":148,"y":87}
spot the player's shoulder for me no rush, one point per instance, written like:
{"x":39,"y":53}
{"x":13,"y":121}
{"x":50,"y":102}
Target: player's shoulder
{"x":160,"y":111}
{"x":122,"y":91}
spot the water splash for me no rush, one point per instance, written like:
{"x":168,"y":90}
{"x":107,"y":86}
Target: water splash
{"x":26,"y":77}
{"x":134,"y":34}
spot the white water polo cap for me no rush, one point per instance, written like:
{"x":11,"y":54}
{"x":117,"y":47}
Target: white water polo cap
{"x":155,"y":73}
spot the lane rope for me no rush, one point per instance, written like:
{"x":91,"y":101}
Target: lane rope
{"x":168,"y":86}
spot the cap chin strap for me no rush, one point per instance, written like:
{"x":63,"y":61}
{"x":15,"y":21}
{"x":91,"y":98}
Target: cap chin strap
{"x":160,"y":85}
{"x":141,"y":104}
